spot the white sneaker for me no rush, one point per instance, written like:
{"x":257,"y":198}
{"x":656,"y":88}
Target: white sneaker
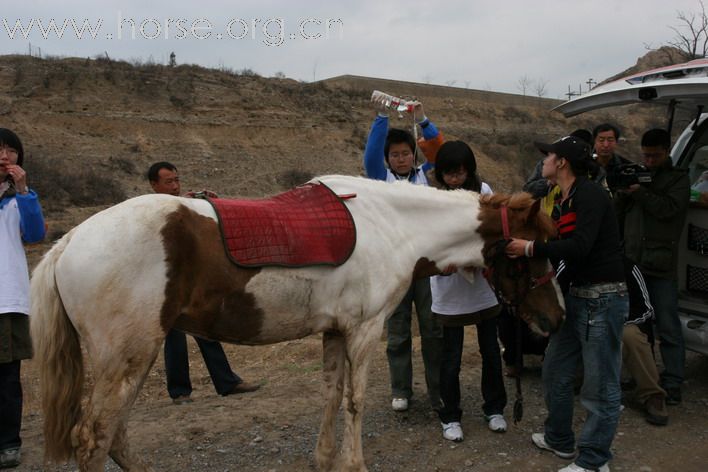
{"x":452,"y":431}
{"x":497,"y":423}
{"x":399,"y":404}
{"x":539,"y":440}
{"x":576,"y":468}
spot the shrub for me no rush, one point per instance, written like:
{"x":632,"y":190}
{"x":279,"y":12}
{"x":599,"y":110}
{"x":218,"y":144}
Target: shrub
{"x":59,"y":187}
{"x":294,"y":177}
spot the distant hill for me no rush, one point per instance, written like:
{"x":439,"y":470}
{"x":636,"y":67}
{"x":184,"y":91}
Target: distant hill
{"x":664,"y":56}
{"x":92,"y":127}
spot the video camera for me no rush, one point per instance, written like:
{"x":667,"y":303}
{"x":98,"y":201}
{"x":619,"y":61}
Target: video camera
{"x":625,"y":175}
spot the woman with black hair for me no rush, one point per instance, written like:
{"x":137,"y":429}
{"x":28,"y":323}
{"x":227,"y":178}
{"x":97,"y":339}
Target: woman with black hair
{"x":20,"y":221}
{"x":458,"y":303}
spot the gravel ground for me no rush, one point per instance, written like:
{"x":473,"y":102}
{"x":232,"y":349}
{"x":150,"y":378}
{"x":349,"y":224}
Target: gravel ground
{"x":275,"y":428}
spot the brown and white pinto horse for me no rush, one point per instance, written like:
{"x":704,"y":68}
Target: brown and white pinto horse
{"x":120,"y":280}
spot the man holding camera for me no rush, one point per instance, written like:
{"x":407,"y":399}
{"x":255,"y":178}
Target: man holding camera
{"x":652,"y":216}
{"x":605,"y":138}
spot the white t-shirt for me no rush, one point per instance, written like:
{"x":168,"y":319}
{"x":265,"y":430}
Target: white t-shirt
{"x":14,"y":275}
{"x":454,"y":295}
{"x":420,"y":178}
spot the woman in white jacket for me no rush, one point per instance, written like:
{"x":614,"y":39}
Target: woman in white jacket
{"x":458,"y":303}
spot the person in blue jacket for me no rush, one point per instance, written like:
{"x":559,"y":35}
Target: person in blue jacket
{"x":21,"y":221}
{"x":390,"y":156}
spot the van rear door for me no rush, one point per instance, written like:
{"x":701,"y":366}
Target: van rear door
{"x":685,"y":84}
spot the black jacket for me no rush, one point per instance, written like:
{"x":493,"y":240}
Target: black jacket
{"x":652,"y":219}
{"x":589,"y":237}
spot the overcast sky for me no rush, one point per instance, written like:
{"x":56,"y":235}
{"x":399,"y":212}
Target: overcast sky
{"x":481,"y":44}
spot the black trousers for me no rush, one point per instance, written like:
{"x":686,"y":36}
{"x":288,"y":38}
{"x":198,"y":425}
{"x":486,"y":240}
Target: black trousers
{"x":177,"y":365}
{"x":10,"y":405}
{"x":493,"y":391}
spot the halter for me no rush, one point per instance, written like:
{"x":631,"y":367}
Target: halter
{"x":519,"y":272}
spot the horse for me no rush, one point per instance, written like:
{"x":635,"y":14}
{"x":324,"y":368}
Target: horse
{"x":119,"y":281}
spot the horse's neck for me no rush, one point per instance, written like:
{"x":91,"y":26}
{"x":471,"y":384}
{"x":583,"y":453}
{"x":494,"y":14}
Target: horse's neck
{"x":417,"y":221}
{"x":440,"y":226}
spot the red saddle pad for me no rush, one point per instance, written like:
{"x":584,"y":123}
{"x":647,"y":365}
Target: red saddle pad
{"x":309,"y":225}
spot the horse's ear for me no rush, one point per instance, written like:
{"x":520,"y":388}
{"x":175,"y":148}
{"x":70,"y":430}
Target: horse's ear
{"x":535,"y":208}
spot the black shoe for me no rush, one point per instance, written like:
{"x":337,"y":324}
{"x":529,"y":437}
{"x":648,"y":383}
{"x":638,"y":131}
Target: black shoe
{"x":655,"y":410}
{"x":182,"y":399}
{"x":10,"y":458}
{"x":243,"y":387}
{"x":673,"y":396}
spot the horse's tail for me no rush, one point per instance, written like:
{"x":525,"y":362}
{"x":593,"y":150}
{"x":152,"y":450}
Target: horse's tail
{"x":58,"y":355}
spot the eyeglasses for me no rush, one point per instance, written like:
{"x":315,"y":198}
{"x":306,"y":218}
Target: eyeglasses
{"x":403,"y":154}
{"x":8,"y":150}
{"x":460,"y":174}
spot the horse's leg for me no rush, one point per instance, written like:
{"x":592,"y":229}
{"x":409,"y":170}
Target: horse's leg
{"x":360,"y":347}
{"x":333,"y":356}
{"x":122,"y":455}
{"x":101,"y":429}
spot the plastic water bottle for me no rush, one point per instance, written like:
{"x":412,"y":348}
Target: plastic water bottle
{"x":392,"y":102}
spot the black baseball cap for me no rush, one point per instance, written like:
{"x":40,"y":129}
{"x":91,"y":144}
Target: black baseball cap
{"x":568,"y":147}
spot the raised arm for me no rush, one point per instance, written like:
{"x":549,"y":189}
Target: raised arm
{"x":374,"y":153}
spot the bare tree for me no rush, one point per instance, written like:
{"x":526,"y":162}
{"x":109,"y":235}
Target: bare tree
{"x":691,"y":33}
{"x":427,"y":78}
{"x":450,"y":83}
{"x":468,"y":83}
{"x":524,"y":83}
{"x":540,"y":86}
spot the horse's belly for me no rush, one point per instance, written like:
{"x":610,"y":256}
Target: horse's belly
{"x":275,"y":305}
{"x":236,"y":330}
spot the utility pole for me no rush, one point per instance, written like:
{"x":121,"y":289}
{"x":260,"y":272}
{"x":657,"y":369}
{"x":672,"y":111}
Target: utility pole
{"x":570,"y":94}
{"x":591,"y":83}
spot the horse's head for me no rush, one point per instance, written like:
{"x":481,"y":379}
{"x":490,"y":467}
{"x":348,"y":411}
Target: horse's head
{"x":527,"y":283}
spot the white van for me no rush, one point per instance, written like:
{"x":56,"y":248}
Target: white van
{"x":680,"y":87}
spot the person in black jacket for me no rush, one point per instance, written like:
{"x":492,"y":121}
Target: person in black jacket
{"x":652,"y":217}
{"x":596,"y":307}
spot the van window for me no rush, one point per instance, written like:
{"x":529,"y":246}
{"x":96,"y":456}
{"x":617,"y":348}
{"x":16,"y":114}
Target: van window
{"x":698,"y":169}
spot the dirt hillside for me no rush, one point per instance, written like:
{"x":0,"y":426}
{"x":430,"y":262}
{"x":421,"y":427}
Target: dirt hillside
{"x":92,"y":127}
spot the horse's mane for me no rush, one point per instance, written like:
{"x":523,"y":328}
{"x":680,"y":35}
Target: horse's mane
{"x":522,"y":206}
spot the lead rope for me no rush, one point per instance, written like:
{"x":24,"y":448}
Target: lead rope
{"x":512,"y":306}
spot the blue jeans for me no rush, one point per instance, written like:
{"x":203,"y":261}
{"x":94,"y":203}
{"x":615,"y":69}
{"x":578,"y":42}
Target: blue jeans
{"x":663,"y":294}
{"x":177,"y":365}
{"x":592,"y":332}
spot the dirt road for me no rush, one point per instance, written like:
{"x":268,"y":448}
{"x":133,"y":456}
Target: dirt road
{"x":275,"y":429}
